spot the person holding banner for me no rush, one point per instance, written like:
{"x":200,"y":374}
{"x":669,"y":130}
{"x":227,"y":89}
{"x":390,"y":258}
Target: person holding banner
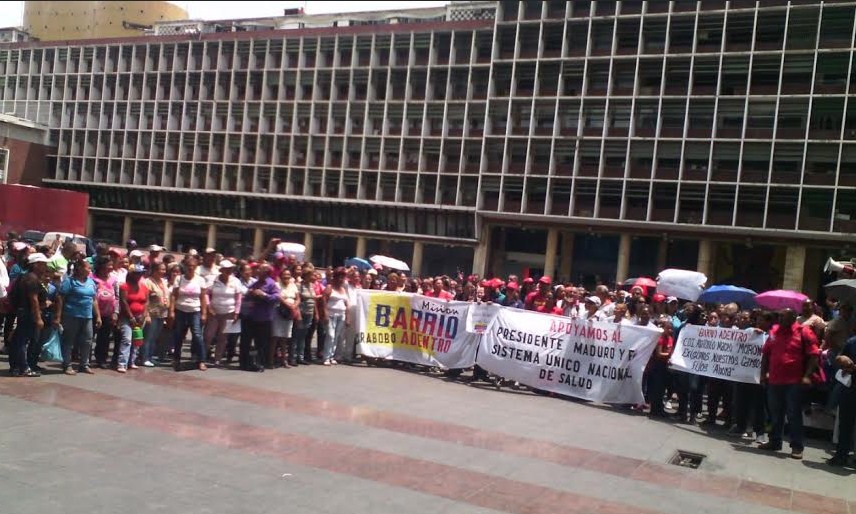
{"x":658,"y":368}
{"x":789,"y":358}
{"x":690,"y":387}
{"x":748,"y":399}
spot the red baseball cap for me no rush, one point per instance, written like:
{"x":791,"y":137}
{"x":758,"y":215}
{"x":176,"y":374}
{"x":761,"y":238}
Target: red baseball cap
{"x":528,"y":280}
{"x":659,"y":298}
{"x":512,"y":286}
{"x":545,"y":280}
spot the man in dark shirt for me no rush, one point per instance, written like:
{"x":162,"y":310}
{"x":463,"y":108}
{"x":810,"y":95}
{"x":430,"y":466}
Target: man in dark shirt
{"x":28,"y":297}
{"x":847,"y":405}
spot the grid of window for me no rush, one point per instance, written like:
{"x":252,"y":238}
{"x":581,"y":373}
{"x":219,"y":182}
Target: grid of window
{"x":735,"y":114}
{"x":707,"y":113}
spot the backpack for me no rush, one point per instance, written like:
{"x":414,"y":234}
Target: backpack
{"x":13,"y":300}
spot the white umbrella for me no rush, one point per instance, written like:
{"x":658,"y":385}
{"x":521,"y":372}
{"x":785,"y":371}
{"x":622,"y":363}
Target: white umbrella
{"x":389,"y":262}
{"x":295,"y":249}
{"x":681,"y":283}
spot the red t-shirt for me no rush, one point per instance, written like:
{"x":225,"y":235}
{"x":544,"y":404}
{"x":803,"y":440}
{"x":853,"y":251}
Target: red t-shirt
{"x":442,"y":295}
{"x":136,"y":299}
{"x":535,"y":300}
{"x":666,"y":343}
{"x":555,"y":310}
{"x":787,"y":353}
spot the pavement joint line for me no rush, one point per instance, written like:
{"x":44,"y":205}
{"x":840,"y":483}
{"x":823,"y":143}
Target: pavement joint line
{"x":457,"y":484}
{"x":697,"y":481}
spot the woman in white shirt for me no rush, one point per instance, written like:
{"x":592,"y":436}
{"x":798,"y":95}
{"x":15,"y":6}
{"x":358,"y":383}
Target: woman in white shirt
{"x":224,"y":306}
{"x":336,"y":305}
{"x":283,"y":320}
{"x":189,"y":310}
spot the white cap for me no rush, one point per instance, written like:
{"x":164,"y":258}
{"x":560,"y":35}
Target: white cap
{"x":593,"y":299}
{"x":19,"y":245}
{"x":193,"y":253}
{"x":36,"y":257}
{"x":371,"y":272}
{"x":226,"y":264}
{"x":671,"y":299}
{"x":210,"y":250}
{"x":135,"y":253}
{"x":156,"y":248}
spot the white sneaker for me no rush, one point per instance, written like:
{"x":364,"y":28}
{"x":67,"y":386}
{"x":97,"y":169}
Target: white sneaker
{"x":748,"y":436}
{"x":762,"y":439}
{"x":327,"y":362}
{"x":148,"y":364}
{"x":669,"y":404}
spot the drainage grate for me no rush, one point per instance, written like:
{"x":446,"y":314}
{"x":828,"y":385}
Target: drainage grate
{"x":687,"y":459}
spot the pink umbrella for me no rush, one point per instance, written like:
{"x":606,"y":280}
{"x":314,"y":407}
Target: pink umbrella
{"x":645,"y":282}
{"x":781,"y":299}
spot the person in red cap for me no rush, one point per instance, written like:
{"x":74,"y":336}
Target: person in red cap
{"x":512,"y":296}
{"x":538,"y":298}
{"x":658,"y":305}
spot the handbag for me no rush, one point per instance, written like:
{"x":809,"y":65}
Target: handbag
{"x":285,"y":311}
{"x":52,"y":349}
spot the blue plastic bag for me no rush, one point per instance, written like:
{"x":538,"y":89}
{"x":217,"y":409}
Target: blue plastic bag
{"x":52,"y":349}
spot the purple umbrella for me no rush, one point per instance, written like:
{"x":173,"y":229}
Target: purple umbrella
{"x":781,"y":299}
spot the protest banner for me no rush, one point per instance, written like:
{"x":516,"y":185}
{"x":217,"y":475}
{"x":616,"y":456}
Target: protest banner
{"x":480,"y":316}
{"x":594,"y":360}
{"x":726,"y":353}
{"x":413,"y":328}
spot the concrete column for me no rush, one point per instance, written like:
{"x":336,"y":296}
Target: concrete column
{"x":362,"y":242}
{"x":550,"y":255}
{"x":662,"y":251}
{"x":126,"y":229}
{"x":794,"y":268}
{"x":168,"y":228}
{"x":258,"y":242}
{"x":481,"y":252}
{"x":705,"y":258}
{"x":567,"y":255}
{"x":623,"y":259}
{"x":211,"y":241}
{"x":90,"y":225}
{"x":307,"y":242}
{"x":416,"y":261}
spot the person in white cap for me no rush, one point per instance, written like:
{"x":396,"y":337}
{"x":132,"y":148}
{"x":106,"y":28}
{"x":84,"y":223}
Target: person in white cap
{"x":135,"y":258}
{"x":224,"y":307}
{"x":27,"y":299}
{"x":592,"y":306}
{"x":208,"y":270}
{"x":154,"y":256}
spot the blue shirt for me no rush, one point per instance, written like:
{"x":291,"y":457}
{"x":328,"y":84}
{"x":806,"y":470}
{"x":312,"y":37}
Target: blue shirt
{"x":51,"y":291}
{"x":262,"y":308}
{"x":16,"y":271}
{"x":77,"y":297}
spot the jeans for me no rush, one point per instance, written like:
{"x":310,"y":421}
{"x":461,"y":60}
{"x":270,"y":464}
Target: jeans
{"x":658,"y":377}
{"x":193,"y":321}
{"x":76,"y":333}
{"x":35,"y":350}
{"x":257,"y":332}
{"x":719,"y":390}
{"x":785,"y":400}
{"x":151,"y":332}
{"x":25,"y":336}
{"x":335,"y":335}
{"x":749,"y":407}
{"x":846,"y":421}
{"x":298,"y":337}
{"x":127,"y":352}
{"x":310,"y":326}
{"x":690,"y":390}
{"x":102,"y":340}
{"x":214,"y":328}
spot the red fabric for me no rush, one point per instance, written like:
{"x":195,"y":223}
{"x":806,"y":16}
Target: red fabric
{"x":535,"y":300}
{"x":443,"y":295}
{"x":666,"y":343}
{"x":136,"y":299}
{"x":555,"y":310}
{"x":787,"y":353}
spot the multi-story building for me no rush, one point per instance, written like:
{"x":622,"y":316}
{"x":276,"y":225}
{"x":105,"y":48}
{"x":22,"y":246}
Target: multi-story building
{"x":583,"y":139}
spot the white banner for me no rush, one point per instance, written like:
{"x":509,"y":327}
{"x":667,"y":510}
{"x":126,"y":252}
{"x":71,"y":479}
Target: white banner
{"x":726,"y":353}
{"x":598,"y":361}
{"x":481,"y":316}
{"x":413,"y":328}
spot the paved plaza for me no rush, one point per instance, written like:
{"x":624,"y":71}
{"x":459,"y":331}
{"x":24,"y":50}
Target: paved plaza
{"x":374,"y":440}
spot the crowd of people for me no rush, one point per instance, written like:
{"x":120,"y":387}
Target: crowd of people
{"x":122,"y":309}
